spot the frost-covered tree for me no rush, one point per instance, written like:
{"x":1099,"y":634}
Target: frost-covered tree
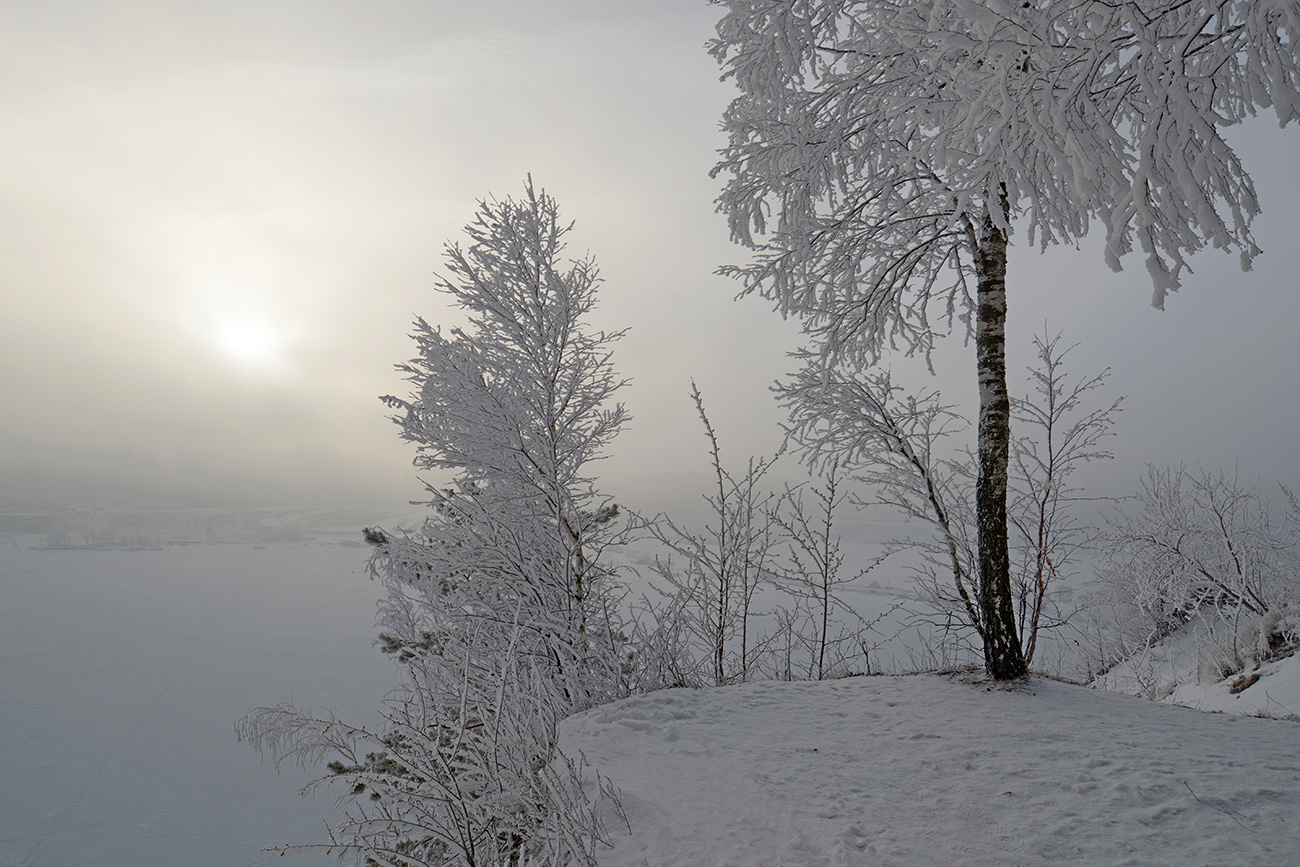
{"x":519,"y":405}
{"x":881,"y":152}
{"x":501,"y":610}
{"x":1201,"y":542}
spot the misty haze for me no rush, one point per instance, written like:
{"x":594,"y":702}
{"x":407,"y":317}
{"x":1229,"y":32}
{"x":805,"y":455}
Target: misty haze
{"x":587,"y":432}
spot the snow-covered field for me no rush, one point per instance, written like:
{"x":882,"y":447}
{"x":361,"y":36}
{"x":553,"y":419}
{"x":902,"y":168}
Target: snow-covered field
{"x":123,"y":671}
{"x":929,"y":770}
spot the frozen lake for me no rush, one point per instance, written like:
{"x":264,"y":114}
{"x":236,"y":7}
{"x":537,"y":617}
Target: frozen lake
{"x":123,"y":672}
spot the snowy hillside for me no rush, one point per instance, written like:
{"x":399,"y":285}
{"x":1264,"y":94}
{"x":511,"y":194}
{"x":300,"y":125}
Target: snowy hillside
{"x":1188,"y":668}
{"x":935,"y":770}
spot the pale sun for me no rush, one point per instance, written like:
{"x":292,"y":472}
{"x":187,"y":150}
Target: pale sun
{"x":249,"y":340}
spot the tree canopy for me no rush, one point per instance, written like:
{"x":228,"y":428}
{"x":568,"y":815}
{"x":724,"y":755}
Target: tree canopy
{"x":870,"y":139}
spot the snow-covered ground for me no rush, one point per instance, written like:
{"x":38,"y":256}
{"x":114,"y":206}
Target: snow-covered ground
{"x":931,"y":770}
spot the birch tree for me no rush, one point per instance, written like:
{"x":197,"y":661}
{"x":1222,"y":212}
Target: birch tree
{"x":881,"y":151}
{"x":500,"y":610}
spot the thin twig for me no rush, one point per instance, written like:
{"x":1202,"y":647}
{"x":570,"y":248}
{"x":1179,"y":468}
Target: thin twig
{"x":1229,"y":813}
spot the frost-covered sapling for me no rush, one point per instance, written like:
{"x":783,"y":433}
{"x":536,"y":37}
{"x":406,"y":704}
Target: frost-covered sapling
{"x":501,"y":610}
{"x":1058,"y":429}
{"x":898,"y":448}
{"x":814,"y":576}
{"x":714,"y":573}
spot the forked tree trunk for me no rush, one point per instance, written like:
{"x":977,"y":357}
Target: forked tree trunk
{"x":1003,"y":659}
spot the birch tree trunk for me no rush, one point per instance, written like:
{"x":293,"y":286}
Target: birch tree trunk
{"x":1003,"y":658}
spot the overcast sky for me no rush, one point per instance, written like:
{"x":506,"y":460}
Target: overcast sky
{"x":219,"y":219}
